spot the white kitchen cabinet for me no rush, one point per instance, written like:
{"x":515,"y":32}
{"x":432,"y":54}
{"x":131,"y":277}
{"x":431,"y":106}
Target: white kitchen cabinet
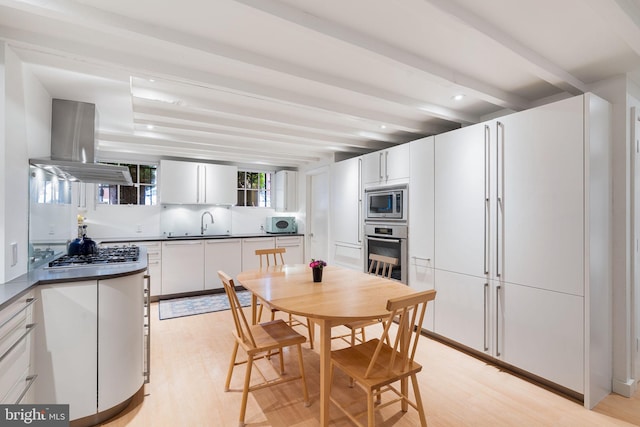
{"x":522,"y":220}
{"x":67,"y":346}
{"x":89,"y":350}
{"x":286,"y":191}
{"x":346,"y":233}
{"x":421,"y":220}
{"x":154,"y":266}
{"x":16,"y":343}
{"x":552,"y":346}
{"x":389,"y":166}
{"x":182,"y":266}
{"x":120,"y":342}
{"x":249,"y":245}
{"x":463,"y":310}
{"x":294,"y":246}
{"x":197,"y":183}
{"x":221,"y":254}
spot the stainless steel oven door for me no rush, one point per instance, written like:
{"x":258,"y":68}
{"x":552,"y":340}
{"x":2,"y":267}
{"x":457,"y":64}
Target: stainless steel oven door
{"x":391,"y":246}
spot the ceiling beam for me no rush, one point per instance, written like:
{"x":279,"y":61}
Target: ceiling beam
{"x":533,"y":61}
{"x":124,"y":26}
{"x":623,"y":16}
{"x":434,"y":71}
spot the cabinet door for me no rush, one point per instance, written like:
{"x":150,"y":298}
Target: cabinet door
{"x":182,"y":266}
{"x":373,"y":168}
{"x":66,"y":349}
{"x":421,"y":201}
{"x":461,"y":209}
{"x":462,"y":309}
{"x":542,"y":333}
{"x":397,"y":162}
{"x":178,"y":182}
{"x":154,"y":268}
{"x":249,"y":258}
{"x":346,"y":202}
{"x":286,"y":191}
{"x":220,"y":184}
{"x":543,"y":197}
{"x":223,"y":254}
{"x":120,"y":342}
{"x":294,"y":246}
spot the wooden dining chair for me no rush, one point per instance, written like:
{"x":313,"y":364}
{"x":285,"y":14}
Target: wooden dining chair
{"x":274,"y":253}
{"x":377,"y":365}
{"x":277,"y":255}
{"x":379,"y":265}
{"x":258,"y":341}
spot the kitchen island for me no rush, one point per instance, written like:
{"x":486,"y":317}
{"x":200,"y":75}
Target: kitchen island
{"x":88,"y":345}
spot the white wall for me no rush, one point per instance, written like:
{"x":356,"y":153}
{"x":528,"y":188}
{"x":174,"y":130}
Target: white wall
{"x":23,"y":116}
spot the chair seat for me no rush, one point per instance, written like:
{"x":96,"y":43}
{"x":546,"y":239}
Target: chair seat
{"x":272,"y":335}
{"x":354,"y":361}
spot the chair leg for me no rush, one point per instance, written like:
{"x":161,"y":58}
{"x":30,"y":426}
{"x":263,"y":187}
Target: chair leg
{"x":305,"y":392}
{"x":311,"y":329}
{"x":416,"y":393}
{"x":280,"y":351}
{"x":234,"y":353}
{"x":245,"y":391}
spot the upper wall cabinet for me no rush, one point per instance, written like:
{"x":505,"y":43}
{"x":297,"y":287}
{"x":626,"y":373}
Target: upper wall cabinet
{"x":286,"y":186}
{"x":197,"y":183}
{"x":386,"y":166}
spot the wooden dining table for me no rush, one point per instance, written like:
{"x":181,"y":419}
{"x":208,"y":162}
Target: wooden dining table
{"x":343,"y":296}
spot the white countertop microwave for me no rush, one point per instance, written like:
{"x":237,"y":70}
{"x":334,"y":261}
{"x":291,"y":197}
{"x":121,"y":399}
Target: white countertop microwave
{"x":281,"y":224}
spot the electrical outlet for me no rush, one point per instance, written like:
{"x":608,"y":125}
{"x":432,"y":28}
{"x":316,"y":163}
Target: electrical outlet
{"x":52,"y":230}
{"x":139,"y":228}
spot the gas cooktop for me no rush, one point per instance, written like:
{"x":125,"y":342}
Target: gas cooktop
{"x":105,"y":256}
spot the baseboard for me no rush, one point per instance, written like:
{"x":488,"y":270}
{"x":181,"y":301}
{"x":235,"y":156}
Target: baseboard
{"x":625,"y":388}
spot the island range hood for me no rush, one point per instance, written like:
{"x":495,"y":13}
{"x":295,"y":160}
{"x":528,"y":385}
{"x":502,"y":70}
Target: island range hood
{"x":73,"y":142}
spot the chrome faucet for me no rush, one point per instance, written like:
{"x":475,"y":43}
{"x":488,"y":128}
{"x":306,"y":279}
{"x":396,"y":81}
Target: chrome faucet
{"x":202,"y":228}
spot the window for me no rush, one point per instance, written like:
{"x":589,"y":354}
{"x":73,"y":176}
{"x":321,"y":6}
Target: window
{"x":142,"y":192}
{"x":254,"y":189}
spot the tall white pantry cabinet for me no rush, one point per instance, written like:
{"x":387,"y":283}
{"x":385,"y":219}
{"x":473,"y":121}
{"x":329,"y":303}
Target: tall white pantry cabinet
{"x":522,"y":242}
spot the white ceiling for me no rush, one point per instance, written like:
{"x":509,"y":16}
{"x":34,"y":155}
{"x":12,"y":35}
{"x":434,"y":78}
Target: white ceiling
{"x":290,"y":82}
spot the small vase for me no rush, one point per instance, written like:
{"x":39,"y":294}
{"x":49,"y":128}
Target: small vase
{"x":317,"y":274}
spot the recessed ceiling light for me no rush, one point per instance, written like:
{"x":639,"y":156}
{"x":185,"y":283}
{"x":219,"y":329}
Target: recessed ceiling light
{"x":383,"y":126}
{"x":457,"y":97}
{"x":149,"y":127}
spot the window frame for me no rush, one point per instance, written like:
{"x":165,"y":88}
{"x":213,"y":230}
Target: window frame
{"x":267,"y":190}
{"x":137,"y":184}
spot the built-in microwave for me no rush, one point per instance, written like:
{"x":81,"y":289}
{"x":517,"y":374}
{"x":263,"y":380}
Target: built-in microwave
{"x":386,"y":203}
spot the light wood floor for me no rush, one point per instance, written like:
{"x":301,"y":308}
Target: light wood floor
{"x":190,"y":356}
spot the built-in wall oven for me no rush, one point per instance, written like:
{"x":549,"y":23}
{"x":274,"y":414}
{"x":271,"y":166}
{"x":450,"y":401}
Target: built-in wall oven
{"x":389,"y":239}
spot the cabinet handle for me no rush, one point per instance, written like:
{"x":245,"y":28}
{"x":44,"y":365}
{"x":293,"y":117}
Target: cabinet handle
{"x":487,"y":205}
{"x":486,"y":299}
{"x":28,"y":302}
{"x":386,"y":165}
{"x":359,"y":199}
{"x":30,"y":380}
{"x":499,"y":192}
{"x":421,"y":258}
{"x":380,"y":166}
{"x":192,"y":242}
{"x":498,"y":321}
{"x":29,"y":328}
{"x":147,"y":296}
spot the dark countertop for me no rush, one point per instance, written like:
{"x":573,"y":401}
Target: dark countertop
{"x":41,"y":276}
{"x":193,"y":237}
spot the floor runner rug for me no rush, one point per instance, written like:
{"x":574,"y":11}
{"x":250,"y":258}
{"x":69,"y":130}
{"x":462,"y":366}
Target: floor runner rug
{"x":189,"y":306}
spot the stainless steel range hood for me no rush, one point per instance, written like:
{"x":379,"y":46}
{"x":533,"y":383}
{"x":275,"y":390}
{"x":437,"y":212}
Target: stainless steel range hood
{"x":73,"y":146}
